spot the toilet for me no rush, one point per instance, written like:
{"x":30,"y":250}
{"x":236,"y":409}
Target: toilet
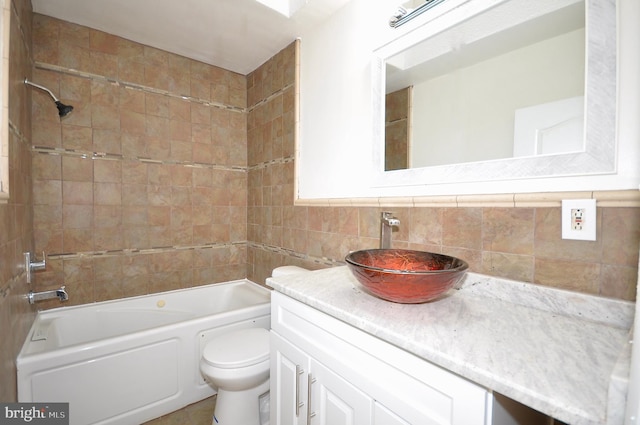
{"x":237,"y":364}
{"x":287,"y":270}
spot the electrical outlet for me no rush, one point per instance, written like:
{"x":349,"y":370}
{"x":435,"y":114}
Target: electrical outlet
{"x":577,"y":215}
{"x":579,"y":219}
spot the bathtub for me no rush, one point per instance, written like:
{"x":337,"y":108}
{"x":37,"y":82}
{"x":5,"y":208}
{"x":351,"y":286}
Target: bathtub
{"x":132,"y":360}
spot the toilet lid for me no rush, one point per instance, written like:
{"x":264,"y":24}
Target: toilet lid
{"x":235,"y":349}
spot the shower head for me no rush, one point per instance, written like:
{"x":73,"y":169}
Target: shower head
{"x":63,"y":110}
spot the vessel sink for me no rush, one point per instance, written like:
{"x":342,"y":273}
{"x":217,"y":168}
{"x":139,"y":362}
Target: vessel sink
{"x":406,"y":276}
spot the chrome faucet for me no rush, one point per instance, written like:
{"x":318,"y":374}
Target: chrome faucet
{"x":387,"y":222}
{"x":31,"y":264}
{"x":61,"y":293}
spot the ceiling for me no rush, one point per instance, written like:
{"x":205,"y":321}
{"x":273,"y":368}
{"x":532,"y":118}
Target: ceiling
{"x":237,"y":35}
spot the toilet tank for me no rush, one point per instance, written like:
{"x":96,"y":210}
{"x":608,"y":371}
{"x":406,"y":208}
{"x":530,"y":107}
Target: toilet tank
{"x":287,"y":270}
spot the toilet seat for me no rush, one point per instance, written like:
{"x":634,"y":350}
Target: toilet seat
{"x":238,"y":349}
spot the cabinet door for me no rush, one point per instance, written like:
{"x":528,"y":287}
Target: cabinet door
{"x":289,"y":372}
{"x":334,"y":401}
{"x":384,"y":416}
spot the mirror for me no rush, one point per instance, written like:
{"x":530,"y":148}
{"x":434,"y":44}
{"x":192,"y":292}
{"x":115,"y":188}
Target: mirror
{"x":498,"y":94}
{"x":516,"y":93}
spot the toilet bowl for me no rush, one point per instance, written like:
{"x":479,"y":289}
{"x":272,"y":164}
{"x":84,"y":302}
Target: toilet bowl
{"x":237,"y":365}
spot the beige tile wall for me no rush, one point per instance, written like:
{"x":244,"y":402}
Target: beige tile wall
{"x":109,"y":242}
{"x":143,"y":187}
{"x":516,"y":243}
{"x":16,"y":218}
{"x":397,"y":129}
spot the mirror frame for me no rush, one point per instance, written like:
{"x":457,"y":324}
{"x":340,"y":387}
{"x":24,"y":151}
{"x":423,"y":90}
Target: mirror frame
{"x":601,"y":80}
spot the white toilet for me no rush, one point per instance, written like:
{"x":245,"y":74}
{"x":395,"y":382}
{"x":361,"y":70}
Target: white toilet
{"x":287,"y":270}
{"x":237,"y":364}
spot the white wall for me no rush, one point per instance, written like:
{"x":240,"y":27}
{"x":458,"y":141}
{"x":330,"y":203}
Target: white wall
{"x":336,"y":103}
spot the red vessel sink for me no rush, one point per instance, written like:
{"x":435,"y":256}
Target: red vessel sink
{"x":406,"y":276}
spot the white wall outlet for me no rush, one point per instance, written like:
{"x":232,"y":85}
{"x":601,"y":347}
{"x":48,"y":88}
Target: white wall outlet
{"x":579,"y":219}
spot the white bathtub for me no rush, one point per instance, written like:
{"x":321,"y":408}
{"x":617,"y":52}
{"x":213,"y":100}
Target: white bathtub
{"x":132,"y":360}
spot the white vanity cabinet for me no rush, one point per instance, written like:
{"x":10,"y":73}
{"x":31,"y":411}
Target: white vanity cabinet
{"x":302,"y":381}
{"x":324,"y":371}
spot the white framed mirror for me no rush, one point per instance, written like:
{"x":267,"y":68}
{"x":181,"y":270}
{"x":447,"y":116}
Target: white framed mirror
{"x":340,"y":147}
{"x":485,"y":52}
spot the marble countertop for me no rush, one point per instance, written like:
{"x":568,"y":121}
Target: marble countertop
{"x":556,"y":351}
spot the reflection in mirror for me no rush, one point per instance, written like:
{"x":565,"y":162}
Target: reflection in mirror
{"x":512,"y":89}
{"x":397,"y":127}
{"x":411,"y":9}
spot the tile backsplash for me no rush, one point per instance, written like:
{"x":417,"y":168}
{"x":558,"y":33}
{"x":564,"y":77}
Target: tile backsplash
{"x":522,"y":243}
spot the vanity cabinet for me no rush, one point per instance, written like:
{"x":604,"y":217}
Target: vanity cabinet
{"x":324,"y":371}
{"x":304,"y":382}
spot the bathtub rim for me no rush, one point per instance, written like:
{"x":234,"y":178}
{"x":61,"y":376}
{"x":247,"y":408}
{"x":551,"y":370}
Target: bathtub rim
{"x":99,"y":343}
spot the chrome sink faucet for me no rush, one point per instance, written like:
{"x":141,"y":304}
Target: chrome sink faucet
{"x":37,"y":296}
{"x":387,"y":222}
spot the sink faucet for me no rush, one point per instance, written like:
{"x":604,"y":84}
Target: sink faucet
{"x":37,"y":296}
{"x":387,"y":222}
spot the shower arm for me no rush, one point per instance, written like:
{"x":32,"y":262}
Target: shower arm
{"x":55,"y":99}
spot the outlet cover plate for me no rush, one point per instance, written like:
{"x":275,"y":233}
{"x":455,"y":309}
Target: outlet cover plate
{"x":587,"y":209}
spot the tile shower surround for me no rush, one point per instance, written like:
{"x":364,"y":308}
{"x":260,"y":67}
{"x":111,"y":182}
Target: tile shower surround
{"x":144,"y":187}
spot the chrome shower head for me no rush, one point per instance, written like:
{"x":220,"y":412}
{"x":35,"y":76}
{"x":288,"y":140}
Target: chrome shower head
{"x":63,"y":110}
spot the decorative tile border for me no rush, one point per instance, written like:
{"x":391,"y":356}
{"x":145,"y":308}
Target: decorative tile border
{"x":134,"y":86}
{"x":142,"y":251}
{"x":605,"y":198}
{"x":329,"y":262}
{"x":118,"y":157}
{"x":148,"y":89}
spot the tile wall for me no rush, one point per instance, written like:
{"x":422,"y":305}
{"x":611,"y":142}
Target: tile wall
{"x":16,"y":217}
{"x":516,"y":243}
{"x":141,"y":190}
{"x":143,"y":187}
{"x":397,"y":129}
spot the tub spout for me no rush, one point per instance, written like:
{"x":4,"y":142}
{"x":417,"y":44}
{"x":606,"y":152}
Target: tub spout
{"x":61,"y":293}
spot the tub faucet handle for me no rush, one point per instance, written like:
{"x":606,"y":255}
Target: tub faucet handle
{"x":31,"y":264}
